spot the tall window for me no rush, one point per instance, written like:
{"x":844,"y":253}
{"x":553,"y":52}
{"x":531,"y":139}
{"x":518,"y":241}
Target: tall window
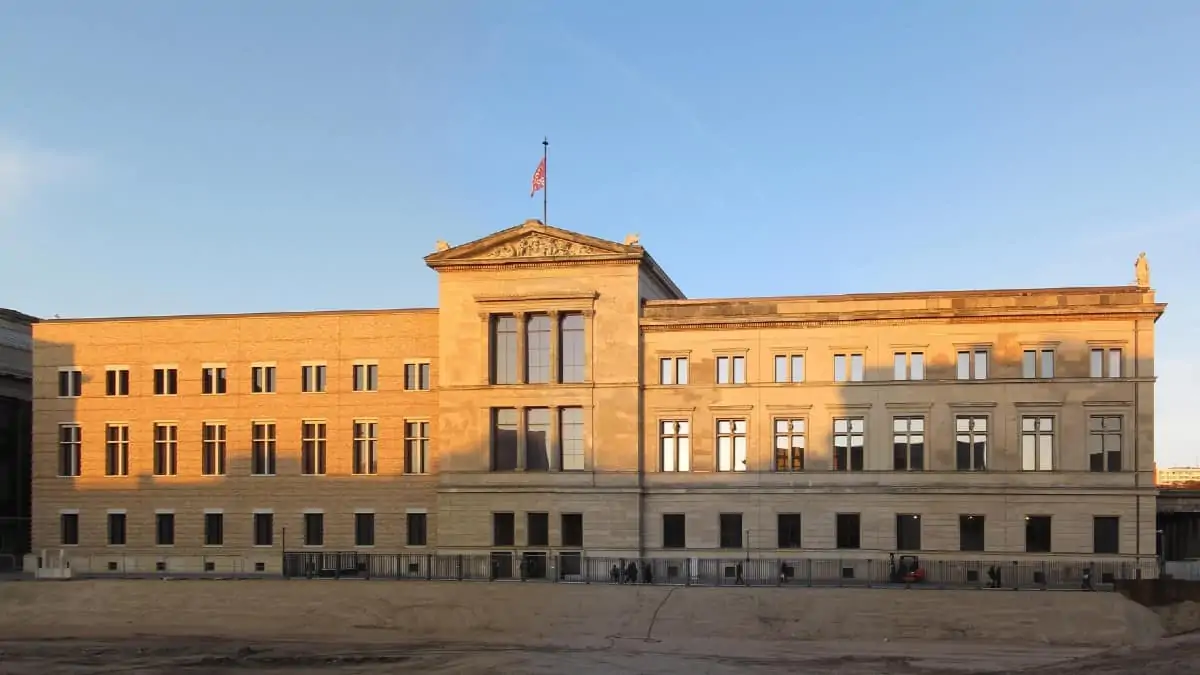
{"x":789,"y":530}
{"x":572,"y":529}
{"x":1106,"y":535}
{"x":848,"y":438}
{"x":971,"y":530}
{"x":418,"y":529}
{"x":972,"y":364}
{"x":537,"y":439}
{"x":731,"y":370}
{"x":264,"y":528}
{"x":1037,"y":443}
{"x":366,"y":441}
{"x":166,"y":381}
{"x":1105,"y":362}
{"x":116,"y":528}
{"x":971,"y":437}
{"x":1104,"y":443}
{"x":166,"y":449}
{"x":570,"y":435}
{"x":504,"y":350}
{"x":1037,"y":534}
{"x":70,"y":444}
{"x":312,"y":448}
{"x":314,"y":529}
{"x":503,"y":529}
{"x":674,"y":530}
{"x":848,"y":530}
{"x":673,"y":370}
{"x":1037,"y":363}
{"x":731,"y":445}
{"x":213,"y":438}
{"x":416,"y":376}
{"x":364,"y":529}
{"x":312,"y":378}
{"x":675,"y":448}
{"x":537,"y":349}
{"x":262,"y":449}
{"x":848,"y":368}
{"x":262,"y":379}
{"x":116,"y":382}
{"x":164,"y":529}
{"x":416,"y":447}
{"x":537,"y":529}
{"x":505,"y":431}
{"x":789,"y":367}
{"x":68,"y":528}
{"x":571,"y":347}
{"x":908,"y":532}
{"x":908,"y":366}
{"x":70,"y":383}
{"x":212,"y":380}
{"x":214,"y":529}
{"x":366,"y":377}
{"x":730,"y":530}
{"x":789,"y":444}
{"x":908,"y":443}
{"x":116,"y":450}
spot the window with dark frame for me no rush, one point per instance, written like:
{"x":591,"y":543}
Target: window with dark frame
{"x":908,"y":532}
{"x":908,"y":443}
{"x":312,"y":448}
{"x":849,"y":531}
{"x":571,"y":351}
{"x":731,"y":530}
{"x":166,"y":449}
{"x":366,"y":445}
{"x":264,"y":529}
{"x":504,"y":349}
{"x":70,"y":449}
{"x":116,"y":529}
{"x":116,"y":382}
{"x":262,"y":448}
{"x":166,"y":381}
{"x":416,"y":447}
{"x":417,"y":529}
{"x":213,"y":447}
{"x":971,"y":441}
{"x":572,"y":530}
{"x":314,"y":529}
{"x":68,"y":529}
{"x":537,"y":529}
{"x":116,"y":450}
{"x":70,"y":383}
{"x":674,"y":530}
{"x":1106,"y":535}
{"x":364,"y":529}
{"x":1037,"y":534}
{"x":505,"y":432}
{"x":790,"y":443}
{"x":214,"y":529}
{"x":164,"y":529}
{"x":503,"y":529}
{"x":1104,"y":442}
{"x":789,"y":530}
{"x":971,"y":532}
{"x":848,"y":442}
{"x":213,"y":380}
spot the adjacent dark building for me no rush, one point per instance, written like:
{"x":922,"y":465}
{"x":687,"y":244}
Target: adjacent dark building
{"x":16,"y":437}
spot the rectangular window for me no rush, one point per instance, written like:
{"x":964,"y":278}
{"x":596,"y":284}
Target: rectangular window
{"x":674,"y":530}
{"x":1106,"y":362}
{"x":1037,"y":534}
{"x":570,"y":435}
{"x":68,"y":529}
{"x":70,"y":447}
{"x":416,"y":377}
{"x":731,"y":530}
{"x":731,"y":445}
{"x":505,"y":431}
{"x":116,"y":529}
{"x":366,"y":377}
{"x":675,"y":448}
{"x":971,"y":438}
{"x":571,"y":348}
{"x":971,"y":532}
{"x":417,"y":531}
{"x":673,"y":370}
{"x":366,"y":442}
{"x":503,"y":529}
{"x":166,"y":381}
{"x":262,"y":449}
{"x":213,"y":441}
{"x":848,"y":368}
{"x":312,"y":378}
{"x":908,"y":443}
{"x":312,"y":448}
{"x":116,"y":450}
{"x":789,"y":368}
{"x":1106,"y":535}
{"x":116,"y":382}
{"x":849,"y":531}
{"x":164,"y":529}
{"x":848,"y":440}
{"x":314,"y":529}
{"x":731,"y":370}
{"x":214,"y":529}
{"x":537,"y":439}
{"x":70,"y":383}
{"x":973,"y":364}
{"x":908,"y":366}
{"x":790,"y":444}
{"x":212,"y":380}
{"x":166,"y":449}
{"x":537,"y":529}
{"x":572,"y":530}
{"x":1037,"y":443}
{"x":908,"y":532}
{"x":416,"y":447}
{"x":504,"y":350}
{"x":1037,"y":363}
{"x":264,"y":529}
{"x":789,"y":530}
{"x":537,"y":349}
{"x":1104,"y":443}
{"x":364,"y":529}
{"x":262,"y":379}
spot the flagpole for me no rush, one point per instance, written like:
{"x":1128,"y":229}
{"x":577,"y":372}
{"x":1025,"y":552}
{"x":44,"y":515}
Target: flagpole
{"x":545,"y":178}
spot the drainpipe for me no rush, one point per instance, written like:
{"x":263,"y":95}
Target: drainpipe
{"x":1137,"y":468}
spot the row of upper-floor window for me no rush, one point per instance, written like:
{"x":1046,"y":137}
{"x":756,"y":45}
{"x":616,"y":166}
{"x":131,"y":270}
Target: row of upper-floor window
{"x":537,"y":348}
{"x":970,"y":364}
{"x":212,"y":447}
{"x":262,"y":528}
{"x":214,"y":379}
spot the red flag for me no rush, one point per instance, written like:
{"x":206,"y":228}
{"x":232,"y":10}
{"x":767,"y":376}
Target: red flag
{"x":539,"y":178}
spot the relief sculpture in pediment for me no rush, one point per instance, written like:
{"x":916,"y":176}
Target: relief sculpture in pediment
{"x":539,"y":246}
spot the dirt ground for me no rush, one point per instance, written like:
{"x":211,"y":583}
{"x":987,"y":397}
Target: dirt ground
{"x":361,"y":628}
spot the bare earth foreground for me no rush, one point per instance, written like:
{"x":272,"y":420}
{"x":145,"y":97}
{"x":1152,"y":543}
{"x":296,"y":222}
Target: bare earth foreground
{"x":359,"y":627}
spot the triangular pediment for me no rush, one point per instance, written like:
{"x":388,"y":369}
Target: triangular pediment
{"x":529,"y":241}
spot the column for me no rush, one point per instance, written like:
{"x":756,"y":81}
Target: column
{"x":555,"y":341}
{"x":488,"y":347}
{"x":522,"y":355}
{"x":522,"y":421}
{"x":555,"y":441}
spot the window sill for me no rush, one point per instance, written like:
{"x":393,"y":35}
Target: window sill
{"x":411,"y":546}
{"x":365,"y":391}
{"x":364,"y":546}
{"x":263,"y":546}
{"x":263,"y":475}
{"x":213,"y":546}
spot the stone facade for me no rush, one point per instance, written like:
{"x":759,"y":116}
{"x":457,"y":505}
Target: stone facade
{"x":608,"y":322}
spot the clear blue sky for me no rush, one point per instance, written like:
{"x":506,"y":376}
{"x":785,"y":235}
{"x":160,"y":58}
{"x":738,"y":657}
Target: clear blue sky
{"x":221,"y":156}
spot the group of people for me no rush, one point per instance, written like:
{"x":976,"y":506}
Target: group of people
{"x":629,"y":573}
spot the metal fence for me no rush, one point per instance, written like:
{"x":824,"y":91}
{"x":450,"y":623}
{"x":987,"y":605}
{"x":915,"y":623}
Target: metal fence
{"x":806,"y":572}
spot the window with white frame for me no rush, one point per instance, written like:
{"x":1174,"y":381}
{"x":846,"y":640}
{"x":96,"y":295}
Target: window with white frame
{"x":366,"y":377}
{"x":166,"y":381}
{"x":416,"y":447}
{"x":570,"y":436}
{"x":366,"y":447}
{"x":971,"y":441}
{"x":213,"y":447}
{"x":731,"y":445}
{"x":166,"y":449}
{"x":416,"y":376}
{"x":908,"y":365}
{"x":262,"y":379}
{"x":673,"y":370}
{"x":262,"y":448}
{"x":674,"y":442}
{"x":789,"y":368}
{"x":849,"y":435}
{"x":1037,"y":363}
{"x":731,"y":370}
{"x":1037,"y":443}
{"x":116,"y":450}
{"x":848,"y":367}
{"x":972,"y":364}
{"x":1104,"y":442}
{"x":70,"y":383}
{"x":790,"y":442}
{"x":116,"y":381}
{"x":312,"y":378}
{"x":70,"y":446}
{"x":312,"y":448}
{"x":1105,"y":362}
